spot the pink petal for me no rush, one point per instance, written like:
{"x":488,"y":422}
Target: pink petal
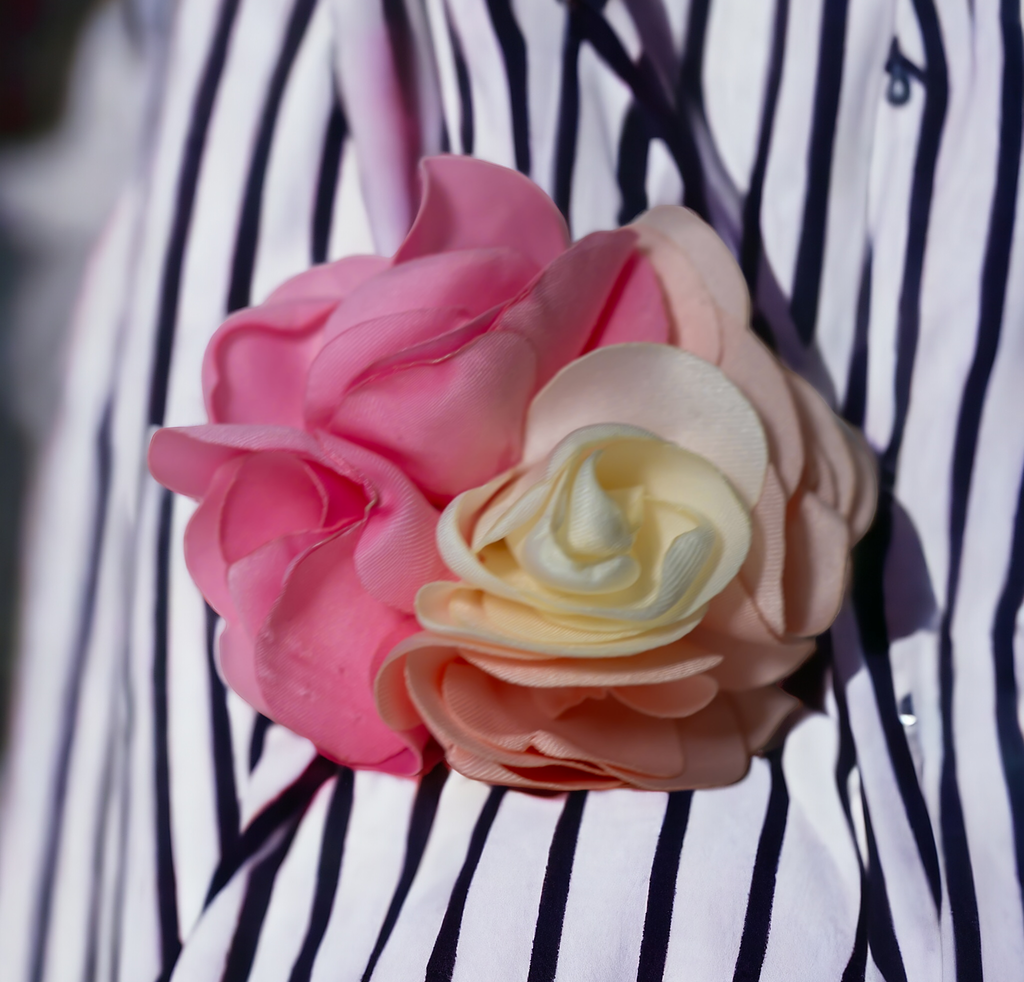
{"x":236,"y":660}
{"x":563,"y":308}
{"x":471,"y":281}
{"x":272,"y":495}
{"x":354,"y":355}
{"x":314,"y":659}
{"x":450,"y":425}
{"x":636,"y":311}
{"x":330,"y":281}
{"x":203,"y":555}
{"x":468,"y":203}
{"x":254,"y":369}
{"x":255,"y":580}
{"x":397,"y":550}
{"x":186,"y":458}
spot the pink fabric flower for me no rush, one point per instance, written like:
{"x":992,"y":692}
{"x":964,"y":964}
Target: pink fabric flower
{"x":351,"y":406}
{"x":675,"y":534}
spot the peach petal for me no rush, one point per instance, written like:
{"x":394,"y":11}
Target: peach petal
{"x":756,"y":372}
{"x":704,"y":248}
{"x":695,"y":318}
{"x":761,"y":712}
{"x":713,"y":745}
{"x":762,"y":570}
{"x":832,"y":454}
{"x":817,"y":544}
{"x":459,"y":210}
{"x":669,"y":700}
{"x":537,"y":773}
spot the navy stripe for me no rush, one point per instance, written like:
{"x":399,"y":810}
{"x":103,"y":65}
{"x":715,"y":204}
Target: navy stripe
{"x":751,"y":242}
{"x":188,"y":179}
{"x":258,"y":892}
{"x":327,"y":183}
{"x":547,"y":935}
{"x":86,"y":618}
{"x":908,"y":328}
{"x":855,"y":400}
{"x":868,"y":589}
{"x":166,"y":878}
{"x":661,"y":891}
{"x":465,"y":90}
{"x":673,"y":127}
{"x":811,"y":252}
{"x":962,"y":897}
{"x":691,"y":68}
{"x":294,"y":800}
{"x":756,"y":925}
{"x":634,"y":144}
{"x":441,"y":963}
{"x":885,"y":949}
{"x":1004,"y":627}
{"x":258,"y":739}
{"x":875,"y":930}
{"x":228,"y":821}
{"x":424,"y":810}
{"x":240,"y":284}
{"x":568,"y":114}
{"x":331,"y":852}
{"x":513,"y":51}
{"x":846,"y":760}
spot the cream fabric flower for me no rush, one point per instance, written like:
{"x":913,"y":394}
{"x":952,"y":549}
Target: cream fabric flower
{"x":609,"y":538}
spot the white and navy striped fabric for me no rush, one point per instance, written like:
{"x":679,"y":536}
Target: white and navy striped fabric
{"x":863,"y":160}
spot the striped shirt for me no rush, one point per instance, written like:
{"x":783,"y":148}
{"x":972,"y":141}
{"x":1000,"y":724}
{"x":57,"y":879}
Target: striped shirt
{"x":862,"y":160}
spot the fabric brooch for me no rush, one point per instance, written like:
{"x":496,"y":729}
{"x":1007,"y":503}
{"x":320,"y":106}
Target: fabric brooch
{"x":551,"y":511}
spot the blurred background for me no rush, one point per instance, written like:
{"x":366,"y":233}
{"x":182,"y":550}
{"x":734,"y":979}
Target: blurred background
{"x":72,"y":92}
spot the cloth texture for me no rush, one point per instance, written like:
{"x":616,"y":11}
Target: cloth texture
{"x":862,"y":161}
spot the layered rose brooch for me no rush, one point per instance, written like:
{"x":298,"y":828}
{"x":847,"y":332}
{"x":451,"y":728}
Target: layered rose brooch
{"x":549,"y":511}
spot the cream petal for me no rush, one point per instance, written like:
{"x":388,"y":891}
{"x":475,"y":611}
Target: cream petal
{"x":685,"y":401}
{"x":463,"y":613}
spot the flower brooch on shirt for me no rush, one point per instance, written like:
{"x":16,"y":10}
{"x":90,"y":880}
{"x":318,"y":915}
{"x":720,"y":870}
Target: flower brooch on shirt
{"x":548,"y":510}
